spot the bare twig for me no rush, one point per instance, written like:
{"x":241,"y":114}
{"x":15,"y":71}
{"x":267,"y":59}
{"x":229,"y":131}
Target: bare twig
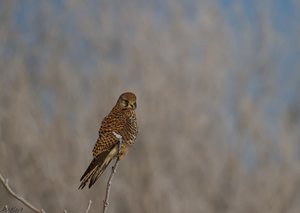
{"x":89,"y":206}
{"x":113,"y":171}
{"x":21,"y":199}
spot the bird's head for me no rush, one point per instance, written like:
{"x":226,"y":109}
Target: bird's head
{"x":127,"y":100}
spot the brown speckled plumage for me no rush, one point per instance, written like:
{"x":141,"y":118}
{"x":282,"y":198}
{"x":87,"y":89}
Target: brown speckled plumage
{"x":121,"y":120}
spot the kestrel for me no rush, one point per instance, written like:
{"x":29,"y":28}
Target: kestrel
{"x":122,"y":121}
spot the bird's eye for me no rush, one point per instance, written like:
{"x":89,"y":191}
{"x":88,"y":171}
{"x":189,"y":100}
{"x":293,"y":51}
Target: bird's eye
{"x":126,"y":103}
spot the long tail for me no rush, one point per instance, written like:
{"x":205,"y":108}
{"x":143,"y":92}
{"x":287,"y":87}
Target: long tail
{"x":97,"y":167}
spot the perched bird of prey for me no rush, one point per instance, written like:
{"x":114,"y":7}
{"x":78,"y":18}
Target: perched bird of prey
{"x":122,"y":121}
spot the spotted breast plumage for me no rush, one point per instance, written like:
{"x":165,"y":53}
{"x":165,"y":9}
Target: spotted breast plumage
{"x":122,"y":121}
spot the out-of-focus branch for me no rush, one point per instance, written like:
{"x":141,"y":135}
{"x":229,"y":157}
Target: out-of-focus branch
{"x":21,"y":199}
{"x":113,"y":171}
{"x":26,"y":203}
{"x":6,"y":209}
{"x":88,"y":208}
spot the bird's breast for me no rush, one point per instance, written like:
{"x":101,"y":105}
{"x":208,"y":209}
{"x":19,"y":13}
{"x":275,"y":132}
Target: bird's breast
{"x":130,"y":131}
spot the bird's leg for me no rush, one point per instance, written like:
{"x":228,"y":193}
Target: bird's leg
{"x":119,"y":137}
{"x":113,"y":171}
{"x":119,"y":148}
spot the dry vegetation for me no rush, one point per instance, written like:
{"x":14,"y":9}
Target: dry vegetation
{"x":206,"y":143}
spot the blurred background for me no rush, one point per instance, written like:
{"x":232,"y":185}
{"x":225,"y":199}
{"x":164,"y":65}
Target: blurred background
{"x":217,"y":83}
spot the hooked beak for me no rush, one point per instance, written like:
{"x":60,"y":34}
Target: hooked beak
{"x":133,"y":106}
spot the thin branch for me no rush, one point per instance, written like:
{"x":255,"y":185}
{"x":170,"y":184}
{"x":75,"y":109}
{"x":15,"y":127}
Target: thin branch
{"x":21,"y":199}
{"x":113,"y":171}
{"x":89,"y":206}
